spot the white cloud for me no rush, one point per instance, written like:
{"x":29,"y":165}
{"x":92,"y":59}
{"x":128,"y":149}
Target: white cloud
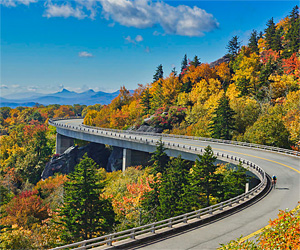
{"x":32,"y":88}
{"x":139,"y":38}
{"x":85,"y":54}
{"x":176,"y":20}
{"x":128,"y":39}
{"x":14,"y":3}
{"x":63,"y":10}
{"x":181,"y":20}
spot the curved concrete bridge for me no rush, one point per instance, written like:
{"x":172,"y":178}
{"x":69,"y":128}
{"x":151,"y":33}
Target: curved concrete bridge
{"x":283,"y":164}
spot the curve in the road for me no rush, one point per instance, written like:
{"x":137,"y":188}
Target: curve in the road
{"x":287,"y":194}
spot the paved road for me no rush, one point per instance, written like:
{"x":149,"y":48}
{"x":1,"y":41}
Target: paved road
{"x":247,"y":221}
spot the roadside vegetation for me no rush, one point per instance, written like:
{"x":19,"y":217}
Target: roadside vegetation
{"x":281,"y":233}
{"x":253,"y":96}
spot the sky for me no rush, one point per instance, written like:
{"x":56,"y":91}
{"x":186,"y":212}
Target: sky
{"x":104,"y":44}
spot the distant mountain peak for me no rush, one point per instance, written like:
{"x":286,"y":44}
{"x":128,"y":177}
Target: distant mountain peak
{"x":65,"y":91}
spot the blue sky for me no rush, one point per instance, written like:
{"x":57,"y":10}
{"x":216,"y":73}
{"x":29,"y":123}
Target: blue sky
{"x":104,"y":44}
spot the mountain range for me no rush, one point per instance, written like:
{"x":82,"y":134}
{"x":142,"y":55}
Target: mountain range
{"x":64,"y":97}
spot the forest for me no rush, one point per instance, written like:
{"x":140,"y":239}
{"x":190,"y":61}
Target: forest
{"x":252,"y":94}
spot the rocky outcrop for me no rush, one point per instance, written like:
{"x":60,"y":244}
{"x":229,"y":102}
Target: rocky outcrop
{"x":219,"y":61}
{"x":149,"y":129}
{"x":115,"y":160}
{"x":66,"y":162}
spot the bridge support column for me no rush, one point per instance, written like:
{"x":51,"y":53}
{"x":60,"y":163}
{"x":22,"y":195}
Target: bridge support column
{"x":134,"y":158}
{"x":126,"y":158}
{"x":63,"y":143}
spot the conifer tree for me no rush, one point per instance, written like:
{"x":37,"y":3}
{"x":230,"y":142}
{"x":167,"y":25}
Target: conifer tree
{"x":146,"y":101}
{"x":223,"y":122}
{"x":203,"y":179}
{"x":272,"y":36}
{"x":171,"y":194}
{"x":184,"y":64}
{"x":84,"y":213}
{"x":195,"y":62}
{"x":292,"y":36}
{"x":159,"y":74}
{"x":253,"y":45}
{"x":233,"y":182}
{"x":174,"y":71}
{"x":159,"y":158}
{"x":233,"y":47}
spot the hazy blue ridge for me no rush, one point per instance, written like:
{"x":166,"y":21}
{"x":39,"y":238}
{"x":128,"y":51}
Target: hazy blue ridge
{"x":64,"y":97}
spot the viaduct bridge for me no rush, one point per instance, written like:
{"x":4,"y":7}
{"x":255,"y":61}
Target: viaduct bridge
{"x":259,"y":159}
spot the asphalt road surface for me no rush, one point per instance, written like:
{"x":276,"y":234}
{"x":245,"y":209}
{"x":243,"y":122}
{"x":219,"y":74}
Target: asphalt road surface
{"x":286,"y":195}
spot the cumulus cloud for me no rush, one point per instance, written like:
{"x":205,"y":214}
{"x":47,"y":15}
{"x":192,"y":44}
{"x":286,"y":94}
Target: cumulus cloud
{"x":85,"y":54}
{"x":176,"y":20}
{"x":181,"y":20}
{"x":14,"y":3}
{"x":139,"y":38}
{"x":63,"y":10}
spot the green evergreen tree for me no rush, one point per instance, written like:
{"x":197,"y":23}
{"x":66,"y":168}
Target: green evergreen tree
{"x":174,"y":71}
{"x":270,"y":33}
{"x":171,"y":193}
{"x":272,"y":36}
{"x":84,"y":213}
{"x":292,"y":36}
{"x":253,"y":45}
{"x":223,"y":122}
{"x":196,"y":61}
{"x":233,"y":47}
{"x":150,"y":203}
{"x":204,"y":182}
{"x":159,"y":74}
{"x":233,"y":182}
{"x":159,"y":158}
{"x":184,"y":64}
{"x":146,"y":101}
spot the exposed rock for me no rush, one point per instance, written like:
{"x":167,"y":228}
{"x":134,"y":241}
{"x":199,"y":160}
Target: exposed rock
{"x":66,"y":162}
{"x":115,"y":160}
{"x":149,"y":129}
{"x":219,"y":61}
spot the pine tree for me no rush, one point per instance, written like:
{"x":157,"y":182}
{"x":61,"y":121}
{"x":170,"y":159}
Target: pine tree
{"x":195,"y":62}
{"x":253,"y":45}
{"x":233,"y":182}
{"x":270,"y":33}
{"x":204,"y":182}
{"x":174,"y":71}
{"x":159,"y":74}
{"x":146,"y":101}
{"x":292,"y":36}
{"x":233,"y":47}
{"x":84,"y":213}
{"x":171,"y":194}
{"x":159,"y":158}
{"x":223,"y":122}
{"x":184,"y":64}
{"x":272,"y":36}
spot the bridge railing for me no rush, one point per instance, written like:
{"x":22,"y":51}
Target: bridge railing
{"x":181,"y":220}
{"x":177,"y":221}
{"x":236,"y":143}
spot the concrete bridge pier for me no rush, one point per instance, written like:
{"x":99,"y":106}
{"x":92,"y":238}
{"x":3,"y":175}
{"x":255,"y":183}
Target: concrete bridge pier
{"x":134,"y":158}
{"x":63,"y":143}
